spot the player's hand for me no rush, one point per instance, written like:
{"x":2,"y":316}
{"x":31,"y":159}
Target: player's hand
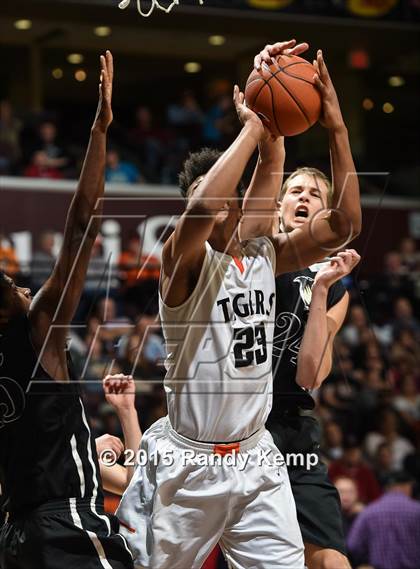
{"x":246,"y":116}
{"x":120,"y":391}
{"x":270,"y":52}
{"x":338,"y":267}
{"x":331,"y":116}
{"x":104,"y":114}
{"x":110,"y":443}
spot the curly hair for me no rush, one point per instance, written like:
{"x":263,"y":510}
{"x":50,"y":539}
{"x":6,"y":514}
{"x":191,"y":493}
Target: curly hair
{"x":198,"y":164}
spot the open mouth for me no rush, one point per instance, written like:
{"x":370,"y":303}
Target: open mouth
{"x":302,"y":212}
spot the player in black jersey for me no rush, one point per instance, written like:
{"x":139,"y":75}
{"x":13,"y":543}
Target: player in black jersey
{"x":308,"y":315}
{"x":49,"y":474}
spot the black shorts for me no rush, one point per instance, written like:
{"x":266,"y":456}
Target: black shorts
{"x":54,"y":536}
{"x":317,"y":500}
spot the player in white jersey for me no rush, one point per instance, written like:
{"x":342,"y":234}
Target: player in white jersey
{"x":213,"y":473}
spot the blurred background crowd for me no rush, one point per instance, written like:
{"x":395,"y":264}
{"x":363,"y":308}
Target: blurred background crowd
{"x":173,"y":94}
{"x":369,"y":407}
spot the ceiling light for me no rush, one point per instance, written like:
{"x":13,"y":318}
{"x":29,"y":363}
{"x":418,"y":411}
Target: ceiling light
{"x":57,"y":73}
{"x":75,"y":58}
{"x":80,"y":75}
{"x":192,"y":67}
{"x":23,"y":24}
{"x":102,"y":31}
{"x":368,"y":104}
{"x":388,"y":108}
{"x":396,"y":81}
{"x":217,"y":40}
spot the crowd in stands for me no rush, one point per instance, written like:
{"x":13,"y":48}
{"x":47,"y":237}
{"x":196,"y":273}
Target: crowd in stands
{"x":144,"y":150}
{"x":369,"y":407}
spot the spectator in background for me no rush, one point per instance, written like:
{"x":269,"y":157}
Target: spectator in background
{"x":403,"y":317}
{"x":220,"y":123}
{"x":352,"y":465}
{"x":43,"y":259}
{"x":187,"y":118}
{"x":332,"y":447}
{"x":387,"y":432}
{"x":148,"y":141}
{"x":10,"y":129}
{"x":144,"y":349}
{"x":40,"y":167}
{"x":350,"y":504}
{"x":407,"y":403}
{"x":386,"y":534}
{"x":55,"y":154}
{"x":383,"y":464}
{"x":410,"y":257}
{"x":405,"y":354}
{"x":9,"y":263}
{"x":120,"y":172}
{"x":139,"y":274}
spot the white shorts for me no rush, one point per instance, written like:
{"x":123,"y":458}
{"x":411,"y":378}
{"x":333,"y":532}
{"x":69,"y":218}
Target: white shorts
{"x":187,"y":498}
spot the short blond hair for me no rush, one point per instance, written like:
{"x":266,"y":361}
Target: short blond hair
{"x":311,"y":172}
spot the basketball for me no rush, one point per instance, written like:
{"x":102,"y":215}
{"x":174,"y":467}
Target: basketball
{"x":284,"y":95}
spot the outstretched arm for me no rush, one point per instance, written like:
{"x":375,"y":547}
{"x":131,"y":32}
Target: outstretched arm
{"x":260,"y":202}
{"x":54,"y":306}
{"x":333,"y":228}
{"x":315,"y":353}
{"x":184,"y":251}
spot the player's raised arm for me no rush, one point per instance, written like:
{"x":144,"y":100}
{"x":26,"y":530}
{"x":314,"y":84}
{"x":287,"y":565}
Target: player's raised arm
{"x":260,"y":202}
{"x":56,"y":302}
{"x":332,"y":228}
{"x":316,"y":349}
{"x":210,"y":194}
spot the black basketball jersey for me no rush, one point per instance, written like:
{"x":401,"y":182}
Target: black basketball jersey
{"x":46,"y":448}
{"x":293,"y":299}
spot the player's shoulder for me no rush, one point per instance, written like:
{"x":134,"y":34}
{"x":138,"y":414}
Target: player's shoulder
{"x":260,"y":246}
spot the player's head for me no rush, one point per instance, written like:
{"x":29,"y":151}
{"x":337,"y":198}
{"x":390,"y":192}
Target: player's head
{"x":304,"y":192}
{"x":14,"y":300}
{"x":195,"y":169}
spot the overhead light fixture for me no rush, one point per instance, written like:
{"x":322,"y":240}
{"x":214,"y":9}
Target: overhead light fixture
{"x":102,"y":31}
{"x":80,"y":75}
{"x":396,"y":81}
{"x":57,"y":73}
{"x":388,"y":108}
{"x":192,"y":67}
{"x":75,"y":58}
{"x":23,"y":24}
{"x":368,"y":104}
{"x":217,"y":40}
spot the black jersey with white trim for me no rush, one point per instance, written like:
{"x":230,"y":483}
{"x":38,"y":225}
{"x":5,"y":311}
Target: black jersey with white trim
{"x":46,"y":449}
{"x":293,"y":299}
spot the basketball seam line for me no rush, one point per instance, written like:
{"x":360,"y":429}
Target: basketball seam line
{"x":273,"y":110}
{"x":291,"y":75}
{"x":292,"y":96}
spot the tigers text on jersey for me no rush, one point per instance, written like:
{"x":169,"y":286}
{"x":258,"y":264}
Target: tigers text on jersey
{"x":219,"y":345}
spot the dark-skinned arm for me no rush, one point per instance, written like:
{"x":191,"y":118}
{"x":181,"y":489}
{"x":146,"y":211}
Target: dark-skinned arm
{"x":54,"y":306}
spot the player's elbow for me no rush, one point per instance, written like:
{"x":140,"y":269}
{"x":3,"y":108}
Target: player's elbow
{"x":310,"y":374}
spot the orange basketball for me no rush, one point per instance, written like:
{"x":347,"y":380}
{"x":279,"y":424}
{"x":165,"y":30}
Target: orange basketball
{"x":284,"y":95}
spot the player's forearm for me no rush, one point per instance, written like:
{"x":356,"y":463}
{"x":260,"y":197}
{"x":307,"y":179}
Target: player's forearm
{"x":222,"y":180}
{"x":132,"y":434}
{"x":91,"y":187}
{"x":114,"y":478}
{"x":314,"y":359}
{"x":347,"y":222}
{"x":260,"y":202}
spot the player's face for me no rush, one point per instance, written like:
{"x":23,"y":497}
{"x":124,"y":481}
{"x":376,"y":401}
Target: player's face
{"x":305,"y":196}
{"x":18,"y":298}
{"x":230,"y":213}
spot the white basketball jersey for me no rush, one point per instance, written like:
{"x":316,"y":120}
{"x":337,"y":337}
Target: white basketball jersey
{"x":219,"y":346}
